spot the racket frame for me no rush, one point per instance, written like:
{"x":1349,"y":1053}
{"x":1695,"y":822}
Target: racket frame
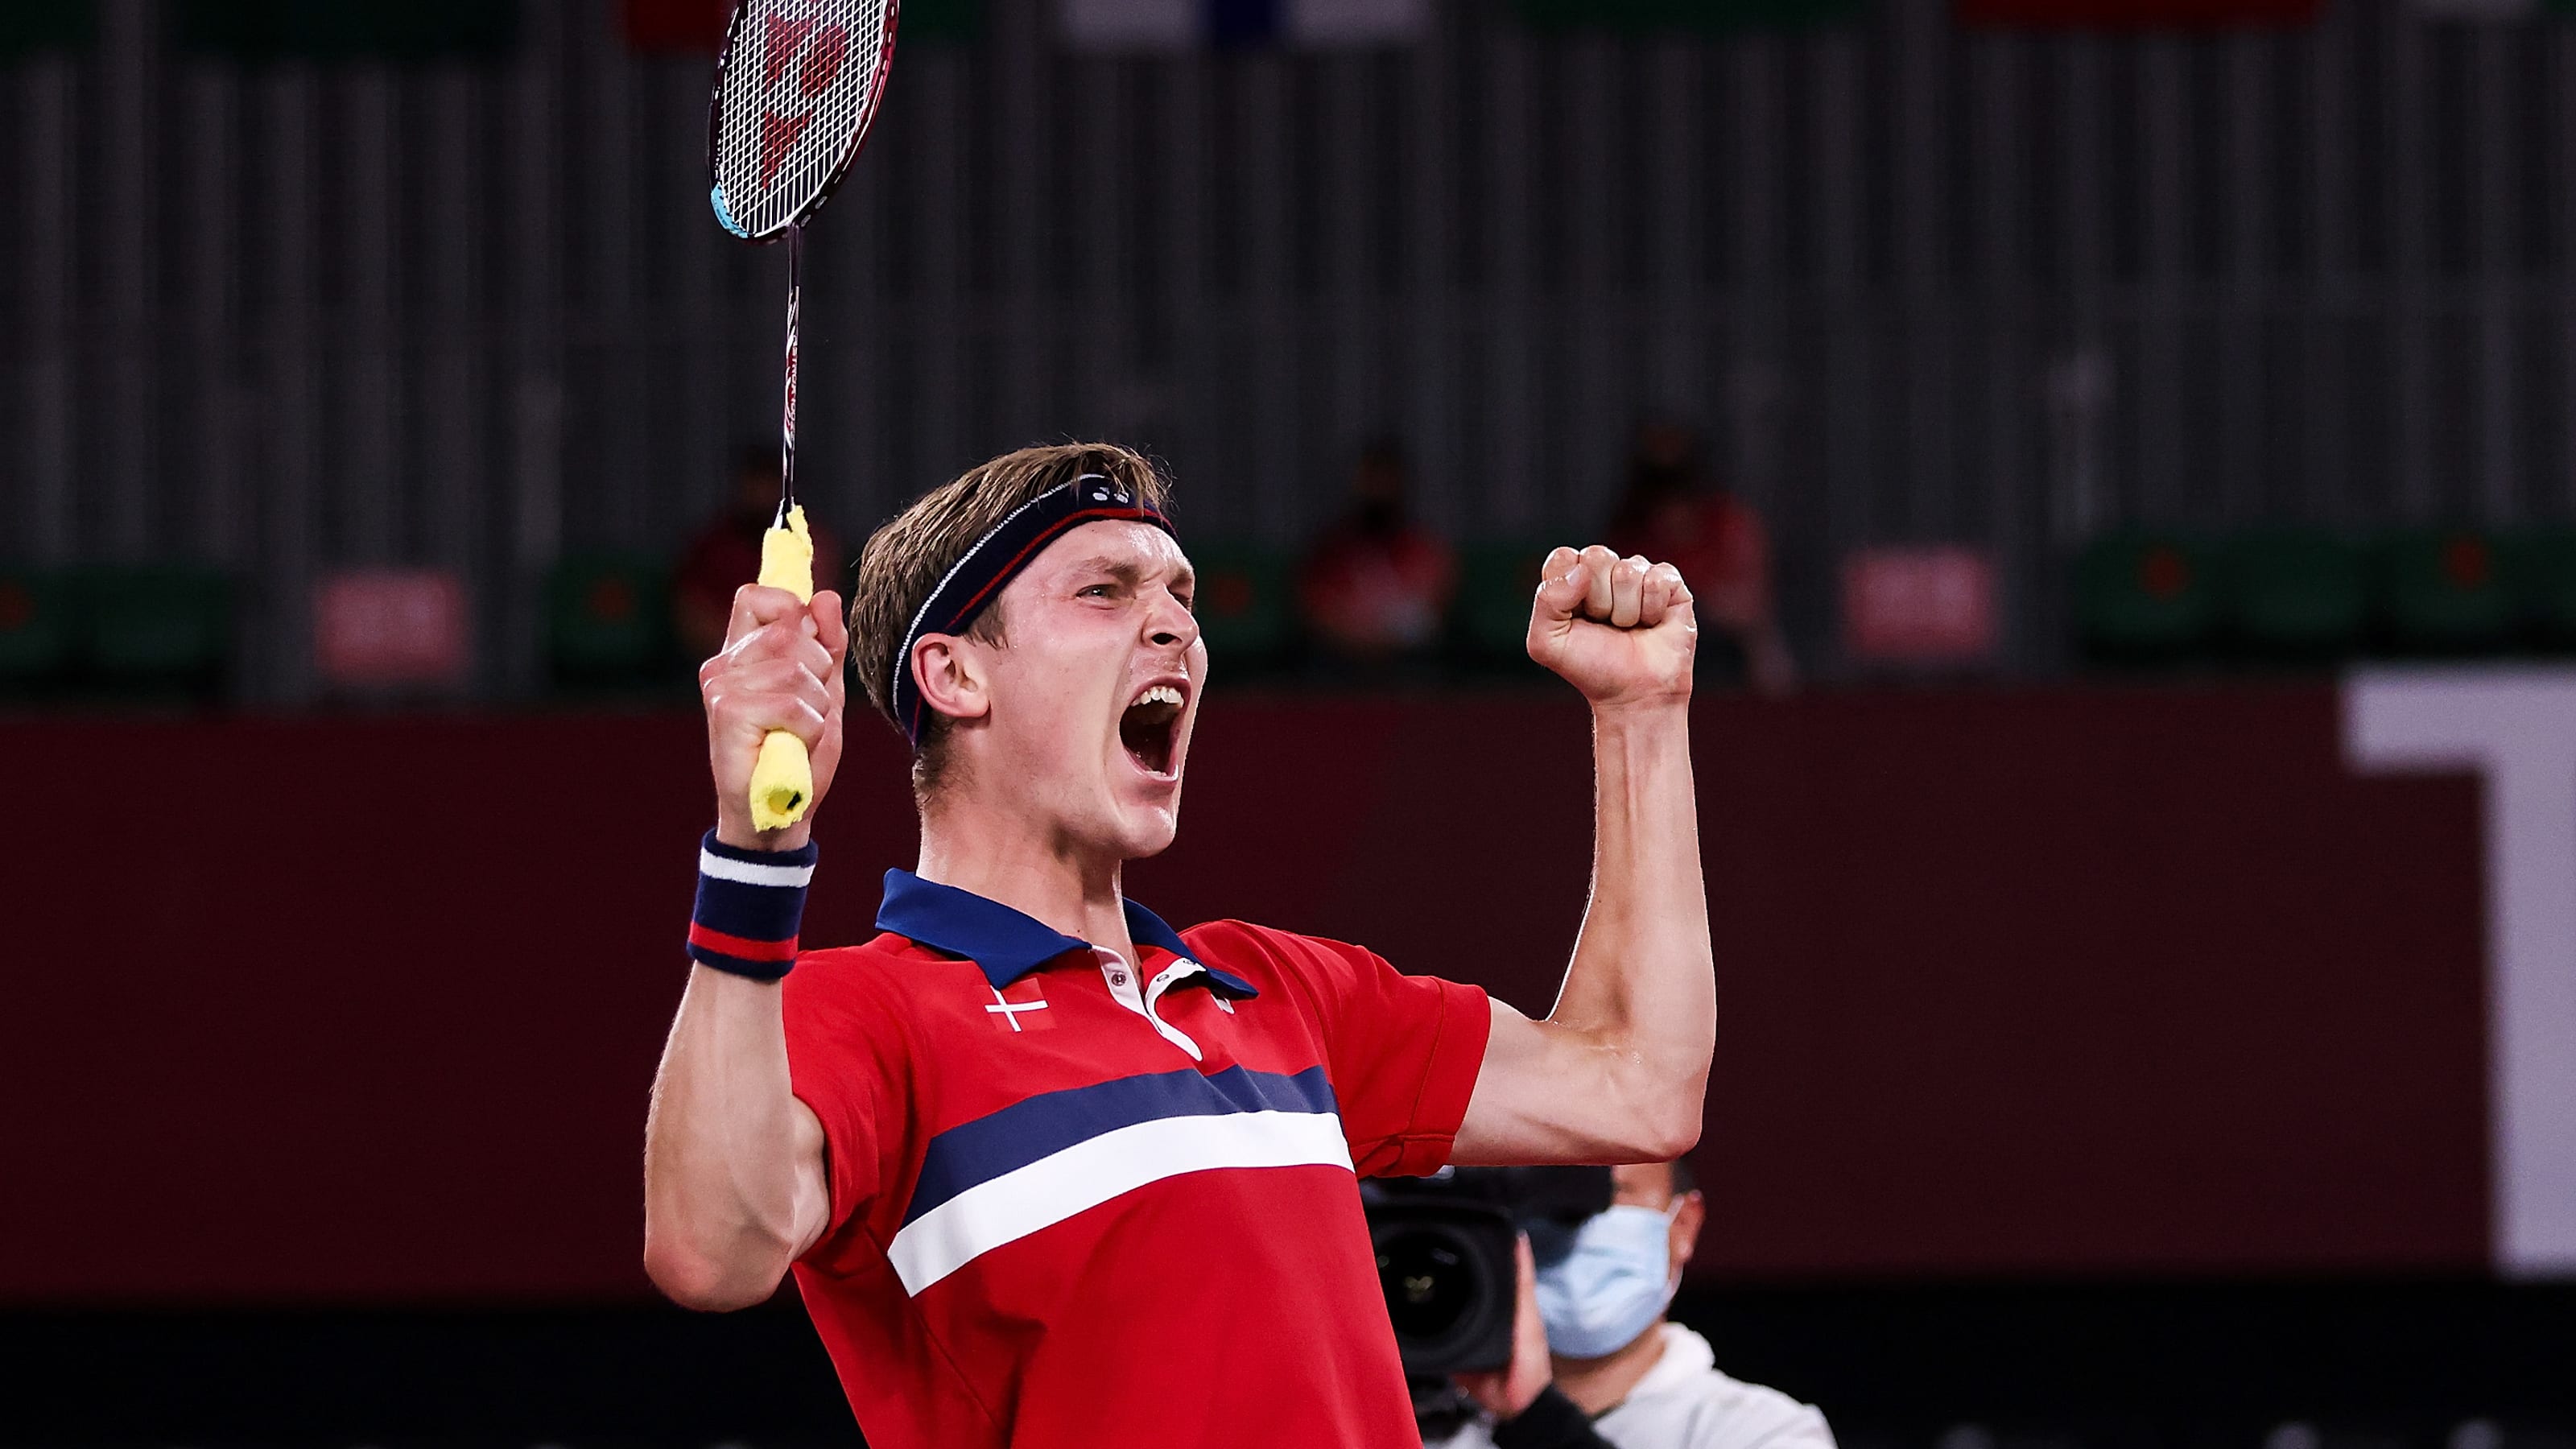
{"x":793,"y":229}
{"x":858,"y":142}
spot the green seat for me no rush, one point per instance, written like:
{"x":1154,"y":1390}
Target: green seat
{"x":2293,"y":594}
{"x":2542,"y":575}
{"x":155,"y":625}
{"x":2442,"y":591}
{"x":1496,"y":581}
{"x":1244,"y":609}
{"x":36,"y":629}
{"x":2144,"y":596}
{"x":608,"y":619}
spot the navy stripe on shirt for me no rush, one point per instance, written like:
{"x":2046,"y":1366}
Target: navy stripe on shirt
{"x":1041,"y":1126}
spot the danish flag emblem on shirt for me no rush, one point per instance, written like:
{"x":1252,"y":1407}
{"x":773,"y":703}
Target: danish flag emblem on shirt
{"x":1021,"y":1006}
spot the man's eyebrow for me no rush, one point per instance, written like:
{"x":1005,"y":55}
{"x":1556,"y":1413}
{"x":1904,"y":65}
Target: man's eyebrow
{"x":1128,"y":571}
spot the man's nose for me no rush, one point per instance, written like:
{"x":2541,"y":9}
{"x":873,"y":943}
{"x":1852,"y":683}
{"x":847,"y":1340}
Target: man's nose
{"x":1170,"y":623}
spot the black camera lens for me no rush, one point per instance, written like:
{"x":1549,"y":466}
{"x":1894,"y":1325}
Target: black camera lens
{"x":1448,"y":1250}
{"x":1430,"y":1278}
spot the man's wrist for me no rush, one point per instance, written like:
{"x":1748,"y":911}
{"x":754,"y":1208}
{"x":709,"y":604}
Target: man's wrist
{"x":750,"y":907}
{"x":734,"y":828}
{"x":1643,"y":716}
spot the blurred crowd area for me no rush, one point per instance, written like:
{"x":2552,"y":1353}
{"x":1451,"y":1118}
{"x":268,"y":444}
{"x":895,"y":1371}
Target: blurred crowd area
{"x":1381,"y":596}
{"x":390,"y":351}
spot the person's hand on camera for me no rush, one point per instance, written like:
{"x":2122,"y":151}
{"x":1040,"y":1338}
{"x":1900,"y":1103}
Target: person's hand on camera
{"x":1507,"y":1391}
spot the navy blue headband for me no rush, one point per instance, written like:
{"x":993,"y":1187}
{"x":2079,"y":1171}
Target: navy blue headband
{"x":978,"y":577}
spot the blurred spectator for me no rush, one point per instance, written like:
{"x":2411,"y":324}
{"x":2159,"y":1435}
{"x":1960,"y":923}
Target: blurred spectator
{"x":1672,"y":512}
{"x":1613,"y":1372}
{"x":725,"y":555}
{"x":1377,"y":585}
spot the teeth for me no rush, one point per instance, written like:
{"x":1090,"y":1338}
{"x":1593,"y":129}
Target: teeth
{"x":1159,"y":694}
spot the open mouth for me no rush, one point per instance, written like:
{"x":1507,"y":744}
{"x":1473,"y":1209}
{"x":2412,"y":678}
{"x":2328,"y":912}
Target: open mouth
{"x":1147,"y":728}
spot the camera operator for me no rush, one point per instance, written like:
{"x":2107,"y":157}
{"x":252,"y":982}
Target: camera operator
{"x":1595,"y":1363}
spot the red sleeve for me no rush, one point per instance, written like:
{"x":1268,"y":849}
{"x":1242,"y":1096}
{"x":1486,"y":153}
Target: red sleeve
{"x":843,"y":1058}
{"x":1402,"y":1051}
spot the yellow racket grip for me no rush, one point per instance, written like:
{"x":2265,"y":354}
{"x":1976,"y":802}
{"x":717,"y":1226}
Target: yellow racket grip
{"x":782,"y":782}
{"x":782,"y":779}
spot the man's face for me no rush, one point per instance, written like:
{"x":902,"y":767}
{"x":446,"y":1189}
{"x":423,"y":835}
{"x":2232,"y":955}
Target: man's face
{"x":1650,"y":1185}
{"x":1094,"y":690}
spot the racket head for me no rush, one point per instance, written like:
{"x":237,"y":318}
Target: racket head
{"x":797,"y":87}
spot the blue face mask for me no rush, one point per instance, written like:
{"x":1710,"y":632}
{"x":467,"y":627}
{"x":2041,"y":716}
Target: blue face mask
{"x":1612,"y":1285}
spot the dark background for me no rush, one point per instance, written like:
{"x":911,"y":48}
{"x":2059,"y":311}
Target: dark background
{"x":2035,"y":1104}
{"x":2103,"y":1061}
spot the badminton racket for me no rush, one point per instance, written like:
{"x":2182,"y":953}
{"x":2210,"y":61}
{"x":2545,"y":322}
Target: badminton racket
{"x":796,"y":88}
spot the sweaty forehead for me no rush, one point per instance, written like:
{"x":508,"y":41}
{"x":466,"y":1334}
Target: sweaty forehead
{"x":1116,"y":543}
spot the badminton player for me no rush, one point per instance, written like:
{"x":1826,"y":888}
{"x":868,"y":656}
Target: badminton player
{"x":1049,"y":1172}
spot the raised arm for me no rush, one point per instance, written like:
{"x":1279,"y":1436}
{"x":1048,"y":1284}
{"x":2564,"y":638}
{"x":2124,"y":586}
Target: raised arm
{"x":733,"y":1163}
{"x":1618,"y":1071}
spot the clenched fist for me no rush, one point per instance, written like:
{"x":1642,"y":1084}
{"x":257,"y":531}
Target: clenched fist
{"x":780,"y":669}
{"x":1619,"y":629}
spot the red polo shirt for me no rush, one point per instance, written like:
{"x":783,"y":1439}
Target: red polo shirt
{"x":1075,"y":1203}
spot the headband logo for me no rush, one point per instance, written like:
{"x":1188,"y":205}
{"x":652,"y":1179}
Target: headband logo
{"x":815,"y":52}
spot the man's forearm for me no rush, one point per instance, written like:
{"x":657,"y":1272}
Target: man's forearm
{"x":1642,"y":979}
{"x":731,"y":1175}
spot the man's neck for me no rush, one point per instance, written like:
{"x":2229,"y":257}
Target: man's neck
{"x":1002,"y":859}
{"x":1598,"y":1384}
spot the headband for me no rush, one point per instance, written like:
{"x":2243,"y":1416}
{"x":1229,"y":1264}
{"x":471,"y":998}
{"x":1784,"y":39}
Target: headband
{"x":978,"y":577}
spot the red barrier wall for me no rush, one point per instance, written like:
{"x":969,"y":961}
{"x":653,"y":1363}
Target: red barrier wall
{"x":2060,"y":982}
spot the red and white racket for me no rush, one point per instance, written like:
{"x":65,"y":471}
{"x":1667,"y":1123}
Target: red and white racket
{"x":796,"y":88}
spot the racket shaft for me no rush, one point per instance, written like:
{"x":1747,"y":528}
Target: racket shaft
{"x":782,"y":779}
{"x":787,"y":403}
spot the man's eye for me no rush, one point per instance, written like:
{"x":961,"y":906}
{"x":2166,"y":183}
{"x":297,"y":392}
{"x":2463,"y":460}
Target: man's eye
{"x":1099,"y":590}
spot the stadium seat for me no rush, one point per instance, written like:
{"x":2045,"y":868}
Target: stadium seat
{"x":2143,"y":597}
{"x":2441,"y":591}
{"x":1244,"y":610}
{"x":607,"y":620}
{"x":2292,"y":594}
{"x":1495,"y":582}
{"x":35,"y":630}
{"x":2541,"y":570}
{"x":154,"y":626}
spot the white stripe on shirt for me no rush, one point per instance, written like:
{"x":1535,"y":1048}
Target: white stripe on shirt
{"x":1089,"y":1173}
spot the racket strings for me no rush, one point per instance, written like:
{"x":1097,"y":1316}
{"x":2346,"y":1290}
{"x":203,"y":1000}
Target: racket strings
{"x":798,"y":88}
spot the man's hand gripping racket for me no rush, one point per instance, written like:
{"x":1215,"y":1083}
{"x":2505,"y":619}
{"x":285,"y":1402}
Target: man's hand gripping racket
{"x":778,"y":677}
{"x":782,"y":779}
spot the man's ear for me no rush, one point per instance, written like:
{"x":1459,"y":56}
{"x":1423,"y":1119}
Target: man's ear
{"x":951,"y":676}
{"x":1685,"y":1230}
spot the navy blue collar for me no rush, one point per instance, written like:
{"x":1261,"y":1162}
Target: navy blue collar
{"x":1007,"y":944}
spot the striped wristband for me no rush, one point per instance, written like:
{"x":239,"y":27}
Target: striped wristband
{"x":750,"y":904}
